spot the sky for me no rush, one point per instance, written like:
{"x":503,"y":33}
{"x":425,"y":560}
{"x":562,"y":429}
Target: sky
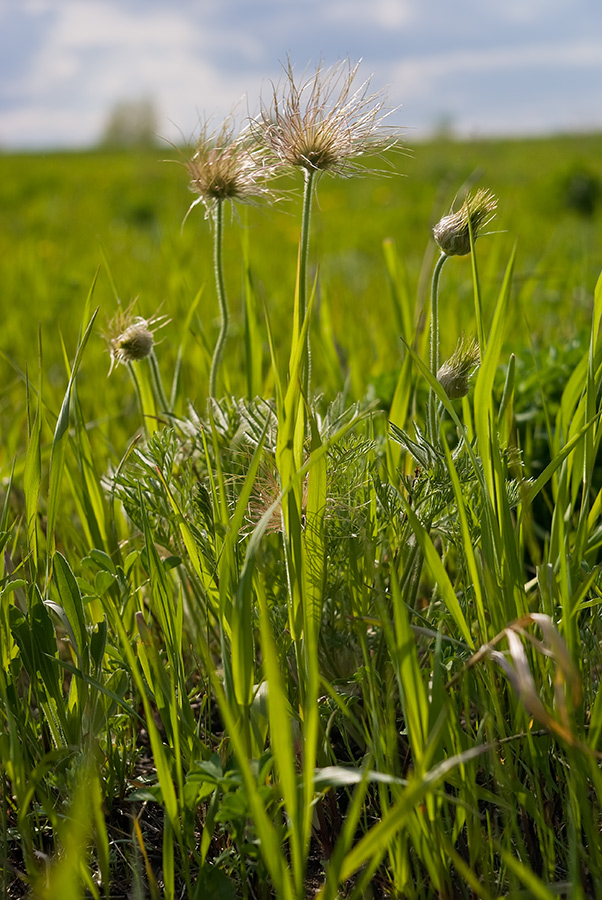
{"x":477,"y":67}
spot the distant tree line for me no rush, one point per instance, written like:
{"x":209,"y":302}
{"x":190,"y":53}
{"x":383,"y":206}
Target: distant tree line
{"x":131,"y":123}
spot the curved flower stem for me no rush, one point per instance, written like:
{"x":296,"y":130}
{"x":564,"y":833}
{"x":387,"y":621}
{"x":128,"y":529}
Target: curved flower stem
{"x":432,"y":410}
{"x":309,"y":175}
{"x":218,"y":267}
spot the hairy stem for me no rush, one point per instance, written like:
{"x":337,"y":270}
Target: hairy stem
{"x":432,"y":410}
{"x":218,"y":267}
{"x":303,"y":266}
{"x":138,"y":390}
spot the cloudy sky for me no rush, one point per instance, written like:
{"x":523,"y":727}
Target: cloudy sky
{"x":482,"y":66}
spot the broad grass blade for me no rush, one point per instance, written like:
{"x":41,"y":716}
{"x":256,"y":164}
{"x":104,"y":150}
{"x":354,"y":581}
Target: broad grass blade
{"x":71,"y":602}
{"x":315,"y":543}
{"x":252,"y":334}
{"x":433,"y":560}
{"x":32,"y":478}
{"x":537,"y":889}
{"x":411,"y":686}
{"x":161,"y":761}
{"x":57,"y":456}
{"x":371,"y":848}
{"x":483,"y":400}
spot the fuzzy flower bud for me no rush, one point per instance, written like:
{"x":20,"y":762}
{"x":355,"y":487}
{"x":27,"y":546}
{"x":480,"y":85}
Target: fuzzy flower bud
{"x":452,"y":232}
{"x":131,"y":338}
{"x":454,"y":373}
{"x":135,"y":343}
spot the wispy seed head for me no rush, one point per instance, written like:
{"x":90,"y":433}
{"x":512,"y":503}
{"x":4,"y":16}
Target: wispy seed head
{"x":266,"y":498}
{"x":226,"y":167}
{"x":454,"y":373}
{"x":324,"y":123}
{"x":452,"y":233}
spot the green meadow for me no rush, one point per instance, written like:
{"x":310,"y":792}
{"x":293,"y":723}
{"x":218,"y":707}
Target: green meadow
{"x":330,"y":632}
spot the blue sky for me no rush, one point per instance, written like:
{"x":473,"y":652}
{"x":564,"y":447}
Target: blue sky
{"x":486,"y":67}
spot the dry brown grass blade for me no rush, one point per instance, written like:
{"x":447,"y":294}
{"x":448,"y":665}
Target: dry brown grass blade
{"x":515,"y":665}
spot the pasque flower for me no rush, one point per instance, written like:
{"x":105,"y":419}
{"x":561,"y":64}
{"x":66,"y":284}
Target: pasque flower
{"x":324,"y":123}
{"x":320,"y":123}
{"x":454,"y":373}
{"x":455,"y":234}
{"x":132,"y":338}
{"x":452,"y":232}
{"x":225,"y":166}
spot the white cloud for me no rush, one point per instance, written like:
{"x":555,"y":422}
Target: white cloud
{"x":90,"y":35}
{"x":520,"y":12}
{"x":382,"y":13}
{"x":96,"y":53}
{"x":195,"y":57}
{"x":421,"y":74}
{"x":524,"y":89}
{"x":31,"y":125}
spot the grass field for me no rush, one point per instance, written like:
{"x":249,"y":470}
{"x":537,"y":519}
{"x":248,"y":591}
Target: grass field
{"x":328,"y":632}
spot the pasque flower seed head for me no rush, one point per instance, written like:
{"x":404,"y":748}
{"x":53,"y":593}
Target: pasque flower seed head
{"x":323,"y":123}
{"x":452,"y":232}
{"x":133,"y":344}
{"x":454,"y":373}
{"x":132,"y":338}
{"x":227,"y":167}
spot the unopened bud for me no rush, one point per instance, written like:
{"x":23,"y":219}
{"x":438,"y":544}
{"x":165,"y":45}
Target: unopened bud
{"x":452,"y":232}
{"x":132,"y":338}
{"x":133,"y":344}
{"x":454,"y":374}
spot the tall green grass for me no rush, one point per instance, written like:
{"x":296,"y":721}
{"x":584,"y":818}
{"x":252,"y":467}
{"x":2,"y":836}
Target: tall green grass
{"x":277,"y":645}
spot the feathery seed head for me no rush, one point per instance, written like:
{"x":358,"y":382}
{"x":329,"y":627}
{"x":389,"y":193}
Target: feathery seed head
{"x":132,"y":338}
{"x":454,"y":373}
{"x":265,"y":495}
{"x":452,"y":232}
{"x":226,"y":167}
{"x":322,"y":124}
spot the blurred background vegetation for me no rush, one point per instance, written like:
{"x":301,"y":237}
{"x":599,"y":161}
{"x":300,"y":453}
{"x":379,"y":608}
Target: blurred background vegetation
{"x":66,"y":216}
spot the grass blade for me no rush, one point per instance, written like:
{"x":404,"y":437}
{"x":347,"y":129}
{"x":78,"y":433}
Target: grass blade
{"x":57,"y":455}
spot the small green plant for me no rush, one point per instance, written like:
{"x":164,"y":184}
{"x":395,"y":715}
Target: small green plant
{"x":132,"y":339}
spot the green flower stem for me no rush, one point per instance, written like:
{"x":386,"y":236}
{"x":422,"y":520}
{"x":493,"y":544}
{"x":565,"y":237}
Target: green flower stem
{"x":218,"y":266}
{"x":309,"y":175}
{"x":432,"y":411}
{"x":138,"y":390}
{"x":160,"y":393}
